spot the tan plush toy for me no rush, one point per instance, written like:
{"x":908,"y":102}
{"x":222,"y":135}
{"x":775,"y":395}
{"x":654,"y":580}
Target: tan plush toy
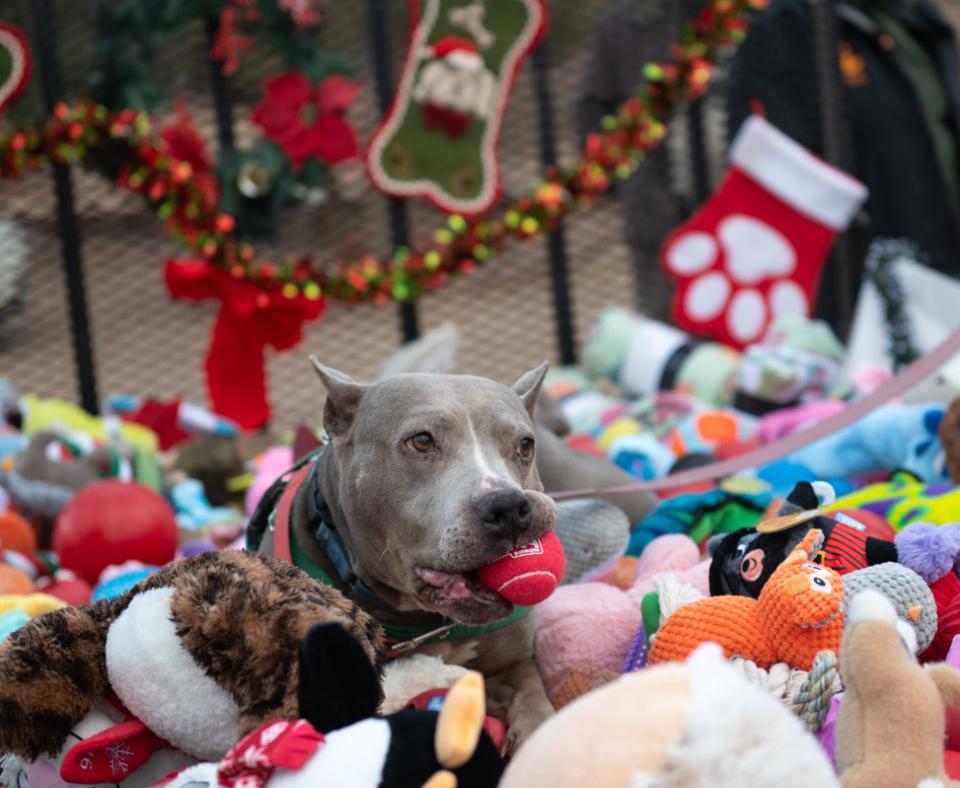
{"x":693,"y":724}
{"x":891,"y":725}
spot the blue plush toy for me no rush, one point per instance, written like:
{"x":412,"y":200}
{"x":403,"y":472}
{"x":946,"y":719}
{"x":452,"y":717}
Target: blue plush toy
{"x":194,"y":511}
{"x":11,"y":621}
{"x":642,"y":455}
{"x":119,"y":585}
{"x":894,"y":437}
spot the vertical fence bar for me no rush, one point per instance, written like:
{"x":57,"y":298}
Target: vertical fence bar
{"x":698,"y":153}
{"x":45,"y":45}
{"x":378,"y":22}
{"x":556,"y":241}
{"x":837,"y":151}
{"x":223,"y":106}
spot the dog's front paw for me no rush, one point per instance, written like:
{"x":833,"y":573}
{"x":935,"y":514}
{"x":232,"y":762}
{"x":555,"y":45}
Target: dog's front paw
{"x":523,"y":728}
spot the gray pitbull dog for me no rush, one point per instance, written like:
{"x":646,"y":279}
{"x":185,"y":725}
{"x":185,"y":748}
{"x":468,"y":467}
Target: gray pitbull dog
{"x":426,"y":478}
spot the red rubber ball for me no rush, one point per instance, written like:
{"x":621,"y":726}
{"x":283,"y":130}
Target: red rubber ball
{"x":110,"y":522}
{"x":529,"y":574}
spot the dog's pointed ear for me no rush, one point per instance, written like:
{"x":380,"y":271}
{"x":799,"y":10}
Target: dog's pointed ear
{"x":528,"y":385}
{"x":338,"y":685}
{"x":343,"y":397}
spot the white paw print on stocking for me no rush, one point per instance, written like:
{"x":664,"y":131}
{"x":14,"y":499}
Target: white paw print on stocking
{"x":754,"y":252}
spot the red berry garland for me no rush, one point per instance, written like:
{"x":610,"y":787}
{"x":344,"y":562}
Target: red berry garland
{"x":186,"y":200}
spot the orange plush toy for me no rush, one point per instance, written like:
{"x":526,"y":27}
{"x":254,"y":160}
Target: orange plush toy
{"x":797,"y":615}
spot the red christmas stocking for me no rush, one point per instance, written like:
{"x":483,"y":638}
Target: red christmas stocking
{"x":755,"y":250}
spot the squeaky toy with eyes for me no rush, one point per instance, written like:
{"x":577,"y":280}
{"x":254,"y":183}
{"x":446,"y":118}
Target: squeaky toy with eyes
{"x":744,"y":560}
{"x":798,"y":614}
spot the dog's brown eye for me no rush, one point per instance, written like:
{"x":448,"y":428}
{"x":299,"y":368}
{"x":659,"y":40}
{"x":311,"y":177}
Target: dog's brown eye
{"x":525,"y":448}
{"x":422,"y":441}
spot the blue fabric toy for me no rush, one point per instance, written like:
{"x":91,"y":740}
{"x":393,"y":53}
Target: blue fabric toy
{"x":894,"y":437}
{"x":642,"y":456}
{"x":116,"y":586}
{"x":194,"y":511}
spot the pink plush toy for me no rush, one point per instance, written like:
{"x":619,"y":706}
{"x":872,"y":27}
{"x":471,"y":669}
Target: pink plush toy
{"x":529,"y":574}
{"x":587,"y":629}
{"x":272,"y":464}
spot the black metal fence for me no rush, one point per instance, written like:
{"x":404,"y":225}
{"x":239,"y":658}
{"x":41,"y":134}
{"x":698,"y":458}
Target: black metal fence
{"x":538,"y":300}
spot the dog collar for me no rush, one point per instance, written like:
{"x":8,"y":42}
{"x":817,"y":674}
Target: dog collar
{"x":406,"y":630}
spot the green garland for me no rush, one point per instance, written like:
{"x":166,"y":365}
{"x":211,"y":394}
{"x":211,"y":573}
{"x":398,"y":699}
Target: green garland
{"x":130,"y":34}
{"x":191,"y":213}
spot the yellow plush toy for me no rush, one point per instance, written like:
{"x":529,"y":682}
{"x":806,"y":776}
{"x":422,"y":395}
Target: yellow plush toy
{"x":31,"y":605}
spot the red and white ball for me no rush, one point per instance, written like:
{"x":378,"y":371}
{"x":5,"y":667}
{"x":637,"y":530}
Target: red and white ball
{"x":529,"y":574}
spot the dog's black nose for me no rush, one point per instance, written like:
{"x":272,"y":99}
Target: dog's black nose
{"x":505,"y":513}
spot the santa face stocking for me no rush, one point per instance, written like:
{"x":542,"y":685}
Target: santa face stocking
{"x":754,"y":252}
{"x":439,"y":139}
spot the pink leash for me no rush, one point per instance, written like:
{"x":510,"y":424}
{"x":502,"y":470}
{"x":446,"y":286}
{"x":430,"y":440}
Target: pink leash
{"x":917,"y":372}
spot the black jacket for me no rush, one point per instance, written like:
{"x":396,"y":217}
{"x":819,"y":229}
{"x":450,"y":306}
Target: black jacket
{"x":658,"y":196}
{"x":891,"y":147}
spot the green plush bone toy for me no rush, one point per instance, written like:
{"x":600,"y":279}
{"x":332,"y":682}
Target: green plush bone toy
{"x":439,"y":139}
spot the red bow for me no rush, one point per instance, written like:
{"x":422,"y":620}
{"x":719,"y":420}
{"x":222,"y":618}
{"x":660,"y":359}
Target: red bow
{"x":287,"y":745}
{"x":276,"y":745}
{"x":249,"y":319}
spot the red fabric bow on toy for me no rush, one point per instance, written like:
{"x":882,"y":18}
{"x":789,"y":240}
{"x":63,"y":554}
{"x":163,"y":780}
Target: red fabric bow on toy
{"x":275,"y":745}
{"x":249,"y":319}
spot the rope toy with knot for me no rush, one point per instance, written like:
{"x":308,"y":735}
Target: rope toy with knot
{"x":807,"y":693}
{"x":812,"y":702}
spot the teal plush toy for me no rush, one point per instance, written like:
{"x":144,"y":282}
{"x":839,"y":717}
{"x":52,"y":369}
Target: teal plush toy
{"x":891,"y":438}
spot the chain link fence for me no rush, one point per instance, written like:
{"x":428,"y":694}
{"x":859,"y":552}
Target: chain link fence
{"x":145,"y":343}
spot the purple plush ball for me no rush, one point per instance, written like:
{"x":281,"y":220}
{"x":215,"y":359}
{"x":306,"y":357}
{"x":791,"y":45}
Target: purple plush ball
{"x":928,"y":549}
{"x":195,"y":547}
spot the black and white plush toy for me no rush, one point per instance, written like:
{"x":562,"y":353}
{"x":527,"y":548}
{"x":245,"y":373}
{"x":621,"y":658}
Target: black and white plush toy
{"x":409,"y":749}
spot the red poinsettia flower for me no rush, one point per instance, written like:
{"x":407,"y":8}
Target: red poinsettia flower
{"x":184,"y":142}
{"x":307,"y":121}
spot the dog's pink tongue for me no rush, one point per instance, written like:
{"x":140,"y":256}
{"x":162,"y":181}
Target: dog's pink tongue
{"x":454,"y":586}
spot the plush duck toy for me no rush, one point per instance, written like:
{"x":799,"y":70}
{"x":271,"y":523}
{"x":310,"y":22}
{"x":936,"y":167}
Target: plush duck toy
{"x":744,"y":560}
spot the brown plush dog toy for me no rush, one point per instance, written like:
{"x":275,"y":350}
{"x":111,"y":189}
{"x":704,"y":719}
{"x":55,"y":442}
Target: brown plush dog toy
{"x":891,"y":725}
{"x":198,"y":655}
{"x":950,"y":437}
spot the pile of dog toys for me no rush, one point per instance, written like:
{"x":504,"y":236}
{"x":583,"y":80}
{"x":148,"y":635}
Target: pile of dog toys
{"x":793,"y":625}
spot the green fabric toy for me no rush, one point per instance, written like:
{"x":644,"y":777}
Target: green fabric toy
{"x":701,"y":515}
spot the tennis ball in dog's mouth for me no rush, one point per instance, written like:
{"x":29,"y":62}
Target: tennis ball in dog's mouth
{"x":529,"y":574}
